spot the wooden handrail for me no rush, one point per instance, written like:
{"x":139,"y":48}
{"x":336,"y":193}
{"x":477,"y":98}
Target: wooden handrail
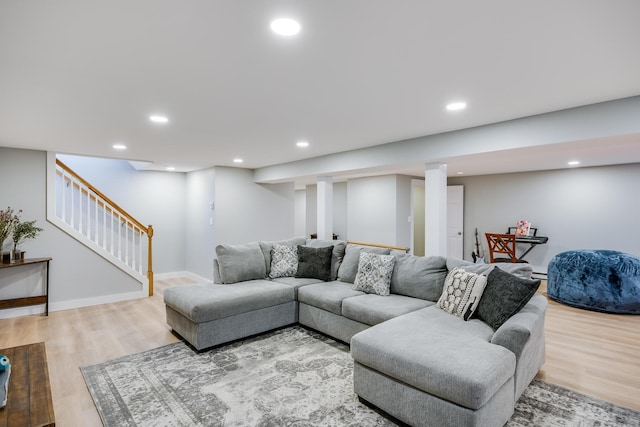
{"x":101,"y":195}
{"x":148,"y":230}
{"x":99,"y":202}
{"x":376,"y":245}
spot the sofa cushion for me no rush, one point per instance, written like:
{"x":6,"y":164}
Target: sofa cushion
{"x":374,"y":273}
{"x":296,"y":282}
{"x":238,"y":263}
{"x":504,"y":295}
{"x":520,"y":269}
{"x":439,"y":354}
{"x":461,"y":293}
{"x":372,"y":309}
{"x":266,"y":246}
{"x":205,"y":302}
{"x":314,"y":263}
{"x":327,"y":296}
{"x":337,"y":255}
{"x":418,"y":277}
{"x":284,"y":261}
{"x":349,"y":267}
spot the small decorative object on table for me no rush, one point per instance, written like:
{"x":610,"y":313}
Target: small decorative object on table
{"x":523,"y":228}
{"x":5,"y":372}
{"x":8,"y":221}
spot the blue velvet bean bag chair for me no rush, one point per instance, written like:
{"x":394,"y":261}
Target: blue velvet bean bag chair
{"x":600,"y":280}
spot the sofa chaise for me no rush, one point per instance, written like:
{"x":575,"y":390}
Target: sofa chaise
{"x":444,"y":343}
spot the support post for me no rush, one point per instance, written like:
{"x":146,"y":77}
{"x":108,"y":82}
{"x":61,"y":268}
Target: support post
{"x":325,"y":208}
{"x":435,"y":210}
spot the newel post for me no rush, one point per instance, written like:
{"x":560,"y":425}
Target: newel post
{"x":150,"y":261}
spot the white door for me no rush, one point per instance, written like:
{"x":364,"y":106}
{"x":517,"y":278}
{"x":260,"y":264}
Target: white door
{"x":455,"y":221}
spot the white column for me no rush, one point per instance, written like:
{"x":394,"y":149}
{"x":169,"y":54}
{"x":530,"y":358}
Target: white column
{"x":325,"y":208}
{"x":435,"y":210}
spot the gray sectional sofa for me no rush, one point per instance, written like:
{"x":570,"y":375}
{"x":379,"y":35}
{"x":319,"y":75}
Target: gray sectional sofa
{"x":421,"y":352}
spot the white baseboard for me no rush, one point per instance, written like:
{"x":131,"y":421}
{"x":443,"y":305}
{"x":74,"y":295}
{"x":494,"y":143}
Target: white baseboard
{"x":177,"y":274}
{"x":21,"y":311}
{"x":87,"y":302}
{"x":67,"y":305}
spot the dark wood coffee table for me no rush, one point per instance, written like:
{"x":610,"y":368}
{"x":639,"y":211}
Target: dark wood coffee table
{"x":29,"y":397}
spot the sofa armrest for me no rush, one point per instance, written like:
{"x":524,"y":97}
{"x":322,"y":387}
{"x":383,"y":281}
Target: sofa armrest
{"x":216,"y":272}
{"x":522,"y":326}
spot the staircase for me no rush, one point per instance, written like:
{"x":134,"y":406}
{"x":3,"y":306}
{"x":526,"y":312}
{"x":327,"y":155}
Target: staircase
{"x":83,"y":212}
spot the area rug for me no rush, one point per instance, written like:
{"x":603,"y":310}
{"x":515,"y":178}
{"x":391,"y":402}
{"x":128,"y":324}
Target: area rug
{"x":290,"y":377}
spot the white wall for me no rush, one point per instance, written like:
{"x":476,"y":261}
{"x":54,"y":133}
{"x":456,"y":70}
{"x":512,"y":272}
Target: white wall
{"x":339,"y":209}
{"x":582,"y":208}
{"x":300,"y":213}
{"x":403,"y":211}
{"x":76,"y":273}
{"x":417,"y":245}
{"x":199,"y":228}
{"x":245,"y":211}
{"x":152,"y":197}
{"x":311,"y":210}
{"x":378,"y":209}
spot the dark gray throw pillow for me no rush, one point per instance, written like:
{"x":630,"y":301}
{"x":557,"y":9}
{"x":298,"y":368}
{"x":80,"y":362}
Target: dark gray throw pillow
{"x":314,"y":263}
{"x":504,"y":295}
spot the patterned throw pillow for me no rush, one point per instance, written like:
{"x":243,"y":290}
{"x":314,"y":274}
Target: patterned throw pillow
{"x":374,"y":273}
{"x":284,"y":261}
{"x":461,"y":293}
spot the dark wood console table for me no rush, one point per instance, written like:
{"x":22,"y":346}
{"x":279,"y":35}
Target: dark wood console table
{"x":40,"y":299}
{"x":29,"y":400}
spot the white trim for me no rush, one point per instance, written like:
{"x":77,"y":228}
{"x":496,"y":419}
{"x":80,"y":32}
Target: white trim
{"x":8,"y":313}
{"x":87,"y":302}
{"x":178,"y":274}
{"x":71,"y":304}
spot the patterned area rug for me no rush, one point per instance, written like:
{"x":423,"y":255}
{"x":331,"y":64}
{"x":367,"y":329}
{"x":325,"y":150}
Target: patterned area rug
{"x":290,"y":377}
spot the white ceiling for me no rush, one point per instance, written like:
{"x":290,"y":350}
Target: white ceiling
{"x":77,"y":76}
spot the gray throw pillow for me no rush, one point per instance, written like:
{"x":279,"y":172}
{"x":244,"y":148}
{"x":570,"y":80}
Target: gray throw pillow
{"x":337,"y":255}
{"x":418,"y":277}
{"x":504,"y":295}
{"x":314,"y":263}
{"x":284,"y":261}
{"x":349,"y":267}
{"x":461,"y":293}
{"x":240,"y":262}
{"x":374,"y":273}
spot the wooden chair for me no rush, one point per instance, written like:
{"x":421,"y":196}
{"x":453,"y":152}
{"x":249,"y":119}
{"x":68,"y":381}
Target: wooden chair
{"x":502,"y":244}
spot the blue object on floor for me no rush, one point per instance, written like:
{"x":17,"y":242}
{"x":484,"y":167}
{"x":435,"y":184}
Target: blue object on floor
{"x":600,"y":280}
{"x":5,"y":373}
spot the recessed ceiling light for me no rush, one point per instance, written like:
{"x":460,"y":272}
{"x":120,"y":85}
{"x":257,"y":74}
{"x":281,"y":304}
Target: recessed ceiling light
{"x":170,"y":168}
{"x":119,"y":147}
{"x":302,"y":144}
{"x":238,"y":160}
{"x":158,"y":119}
{"x":460,"y":173}
{"x":573,"y":163}
{"x":456,"y":106}
{"x":285,"y":27}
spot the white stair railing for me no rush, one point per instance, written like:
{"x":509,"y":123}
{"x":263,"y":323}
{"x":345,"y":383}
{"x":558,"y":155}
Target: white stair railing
{"x":102,"y":225}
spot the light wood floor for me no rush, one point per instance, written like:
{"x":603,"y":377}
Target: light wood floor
{"x":593,"y":353}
